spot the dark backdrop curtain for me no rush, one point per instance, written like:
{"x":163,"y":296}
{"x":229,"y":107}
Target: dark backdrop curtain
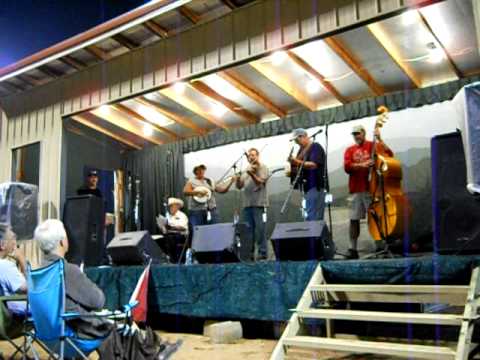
{"x":160,"y":174}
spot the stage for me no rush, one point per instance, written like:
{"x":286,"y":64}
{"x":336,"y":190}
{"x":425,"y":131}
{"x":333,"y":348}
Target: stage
{"x":266,"y":290}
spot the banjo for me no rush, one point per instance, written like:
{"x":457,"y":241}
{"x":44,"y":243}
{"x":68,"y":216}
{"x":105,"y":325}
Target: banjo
{"x":203,"y":199}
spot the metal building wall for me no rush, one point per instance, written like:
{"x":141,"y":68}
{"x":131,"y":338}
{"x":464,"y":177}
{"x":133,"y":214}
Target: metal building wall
{"x":242,"y":35}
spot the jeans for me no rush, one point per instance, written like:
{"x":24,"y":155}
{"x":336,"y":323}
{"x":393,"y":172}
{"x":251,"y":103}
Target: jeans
{"x":199,"y":218}
{"x":253,"y":216}
{"x":314,"y":204}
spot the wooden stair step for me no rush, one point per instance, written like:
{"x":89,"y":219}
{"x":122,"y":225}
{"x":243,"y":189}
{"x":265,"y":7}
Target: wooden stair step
{"x":372,"y":347}
{"x":382,"y":316}
{"x":379,"y":288}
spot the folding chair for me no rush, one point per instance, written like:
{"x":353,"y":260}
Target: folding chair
{"x":46,"y":300}
{"x":11,"y":327}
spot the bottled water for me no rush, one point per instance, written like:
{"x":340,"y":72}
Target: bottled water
{"x":188,"y":257}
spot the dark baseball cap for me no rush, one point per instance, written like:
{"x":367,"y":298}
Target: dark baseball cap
{"x":92,"y":173}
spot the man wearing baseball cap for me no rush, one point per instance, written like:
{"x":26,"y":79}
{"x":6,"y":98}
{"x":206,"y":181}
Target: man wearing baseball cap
{"x":311,"y":181}
{"x":357,"y":163}
{"x":91,"y":185}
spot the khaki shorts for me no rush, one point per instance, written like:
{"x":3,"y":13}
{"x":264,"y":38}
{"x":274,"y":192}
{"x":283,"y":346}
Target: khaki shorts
{"x":359,"y":205}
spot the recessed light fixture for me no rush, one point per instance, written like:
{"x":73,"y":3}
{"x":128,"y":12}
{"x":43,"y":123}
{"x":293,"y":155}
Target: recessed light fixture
{"x":278,"y":57}
{"x":435,"y":54}
{"x":179,"y":87}
{"x":218,"y":109}
{"x":409,"y":17}
{"x":147,"y":130}
{"x":312,"y":86}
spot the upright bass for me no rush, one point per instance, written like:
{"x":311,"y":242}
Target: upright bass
{"x":389,"y":210}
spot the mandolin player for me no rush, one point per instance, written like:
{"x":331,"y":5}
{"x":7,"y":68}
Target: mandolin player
{"x":311,"y":180}
{"x":357,"y":164}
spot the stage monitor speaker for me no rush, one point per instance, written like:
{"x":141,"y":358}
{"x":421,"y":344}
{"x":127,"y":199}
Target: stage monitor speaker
{"x":299,"y":241}
{"x":135,"y":248}
{"x":456,"y":213}
{"x":19,"y":208}
{"x":215,"y":243}
{"x":84,"y":219}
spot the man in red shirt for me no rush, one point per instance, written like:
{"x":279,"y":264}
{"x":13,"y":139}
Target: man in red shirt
{"x":357,"y":163}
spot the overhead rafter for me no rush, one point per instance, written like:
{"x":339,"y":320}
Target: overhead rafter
{"x":84,"y":121}
{"x":189,"y":14}
{"x":113,"y":118}
{"x":72,"y":62}
{"x":355,"y":65}
{"x":155,"y":28}
{"x":290,"y":87}
{"x":319,"y":77}
{"x":192,"y":106}
{"x":392,"y":50}
{"x":182,"y":120}
{"x":49,"y":71}
{"x":98,"y":52}
{"x":125,"y":41}
{"x":29,"y":80}
{"x":252,"y":93}
{"x":12,"y":86}
{"x":206,"y":90}
{"x":126,"y":110}
{"x":452,"y":65}
{"x":229,"y":3}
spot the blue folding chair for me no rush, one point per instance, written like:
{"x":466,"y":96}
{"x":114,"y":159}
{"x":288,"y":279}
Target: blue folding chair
{"x":46,"y":301}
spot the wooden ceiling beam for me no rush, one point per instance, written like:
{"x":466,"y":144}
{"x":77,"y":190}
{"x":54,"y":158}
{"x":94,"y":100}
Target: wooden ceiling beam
{"x":252,"y":93}
{"x":127,"y":111}
{"x":11,"y":86}
{"x":182,"y":120}
{"x":319,"y":77}
{"x":189,"y":14}
{"x":72,"y":62}
{"x":84,"y":121}
{"x":192,"y":106}
{"x":206,"y":90}
{"x":119,"y":121}
{"x":125,"y":41}
{"x":290,"y":87}
{"x":355,"y":65}
{"x":155,"y":29}
{"x":49,"y":71}
{"x":452,"y":65}
{"x":98,"y":52}
{"x":392,"y":50}
{"x":29,"y":80}
{"x":230,"y":4}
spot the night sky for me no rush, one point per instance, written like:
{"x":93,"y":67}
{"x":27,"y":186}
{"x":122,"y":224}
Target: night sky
{"x":30,"y":26}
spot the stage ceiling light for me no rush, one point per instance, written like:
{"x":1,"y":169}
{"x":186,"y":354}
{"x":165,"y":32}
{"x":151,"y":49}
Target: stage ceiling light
{"x":104,"y":109}
{"x":179,"y":87}
{"x":218,"y":110}
{"x":409,"y":17}
{"x":278,"y":57}
{"x":147,"y":130}
{"x":313,"y":86}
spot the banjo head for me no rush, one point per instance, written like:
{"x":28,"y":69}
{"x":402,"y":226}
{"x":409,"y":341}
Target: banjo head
{"x":203,"y":199}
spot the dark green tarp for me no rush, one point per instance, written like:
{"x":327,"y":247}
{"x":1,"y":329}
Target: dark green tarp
{"x":265,"y":290}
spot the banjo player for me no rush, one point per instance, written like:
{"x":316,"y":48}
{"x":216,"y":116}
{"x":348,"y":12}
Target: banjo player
{"x":201,"y":197}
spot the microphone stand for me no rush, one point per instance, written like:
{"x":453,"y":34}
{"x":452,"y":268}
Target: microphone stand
{"x":232,"y":167}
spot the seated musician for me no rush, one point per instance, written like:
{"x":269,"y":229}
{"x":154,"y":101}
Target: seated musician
{"x":12,"y":270}
{"x":357,"y":162}
{"x":174,"y":227}
{"x":201,"y":197}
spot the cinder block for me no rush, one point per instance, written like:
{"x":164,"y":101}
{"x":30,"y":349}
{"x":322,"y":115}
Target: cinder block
{"x":226,"y":332}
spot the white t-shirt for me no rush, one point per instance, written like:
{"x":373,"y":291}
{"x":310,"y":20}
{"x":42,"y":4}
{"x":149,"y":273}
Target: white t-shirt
{"x":179,"y":219}
{"x":11,"y":280}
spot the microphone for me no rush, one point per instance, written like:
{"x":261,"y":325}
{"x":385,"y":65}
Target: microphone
{"x":318,"y":132}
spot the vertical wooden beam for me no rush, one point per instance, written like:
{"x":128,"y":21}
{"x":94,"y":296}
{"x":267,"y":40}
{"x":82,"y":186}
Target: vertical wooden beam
{"x":355,"y":65}
{"x":252,"y":93}
{"x":394,"y":53}
{"x":229,"y":104}
{"x":314,"y":73}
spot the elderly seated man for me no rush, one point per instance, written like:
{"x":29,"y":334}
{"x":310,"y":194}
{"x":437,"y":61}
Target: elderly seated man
{"x":12,"y":270}
{"x":174,"y":227}
{"x":83,"y":296}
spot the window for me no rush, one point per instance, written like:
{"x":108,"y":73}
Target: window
{"x":26,"y":164}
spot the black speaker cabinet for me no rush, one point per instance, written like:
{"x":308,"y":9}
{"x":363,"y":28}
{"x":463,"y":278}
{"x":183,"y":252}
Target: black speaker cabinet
{"x":19,"y":208}
{"x":135,"y":248}
{"x":299,"y":241}
{"x":84,"y":219}
{"x":456,"y":213}
{"x":217,"y":243}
